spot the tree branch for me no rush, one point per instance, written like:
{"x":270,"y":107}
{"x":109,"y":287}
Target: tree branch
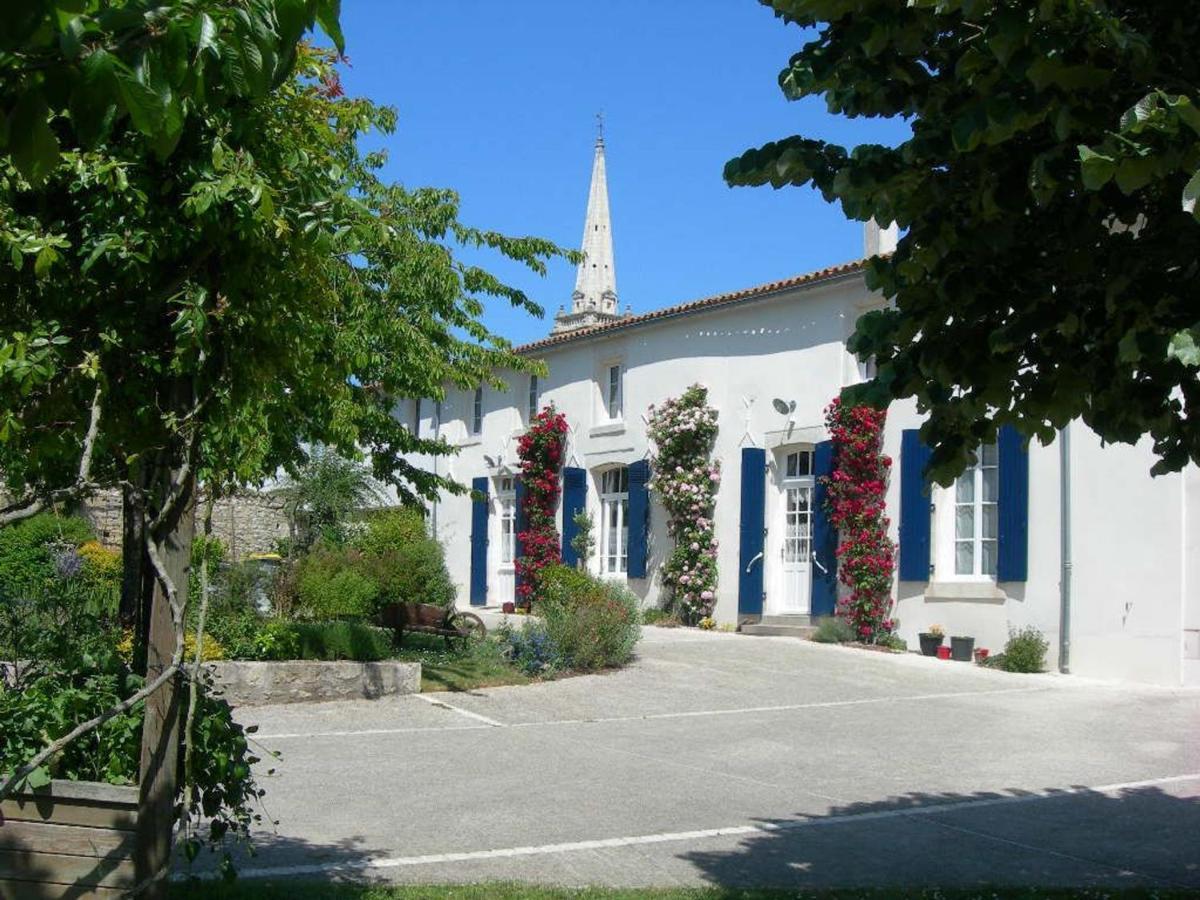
{"x":83,"y":484}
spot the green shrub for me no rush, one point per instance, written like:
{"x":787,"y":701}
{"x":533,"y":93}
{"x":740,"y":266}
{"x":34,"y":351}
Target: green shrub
{"x":530,"y":648}
{"x":392,"y":529}
{"x":31,"y":551}
{"x":591,"y":623}
{"x":1025,"y":651}
{"x":331,"y":585}
{"x":664,"y":618}
{"x":833,"y":630}
{"x":414,"y":574}
{"x":339,"y":640}
{"x":892,"y":642}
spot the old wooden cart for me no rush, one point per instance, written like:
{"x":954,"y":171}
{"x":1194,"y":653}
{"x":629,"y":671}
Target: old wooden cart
{"x":426,"y":618}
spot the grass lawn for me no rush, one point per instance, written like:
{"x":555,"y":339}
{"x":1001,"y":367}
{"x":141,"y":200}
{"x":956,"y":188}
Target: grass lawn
{"x":288,"y":890}
{"x":480,"y":665}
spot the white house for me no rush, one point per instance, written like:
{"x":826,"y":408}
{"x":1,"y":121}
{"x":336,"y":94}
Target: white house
{"x":1074,"y":538}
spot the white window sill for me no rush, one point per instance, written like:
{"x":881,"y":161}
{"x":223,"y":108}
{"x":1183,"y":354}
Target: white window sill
{"x":971,"y":591}
{"x":607,"y":428}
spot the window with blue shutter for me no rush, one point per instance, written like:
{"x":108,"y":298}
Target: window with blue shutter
{"x":750,"y":551}
{"x":479,"y":541}
{"x":639,"y":517}
{"x":574,"y":500}
{"x":914,"y":507}
{"x":823,"y":599}
{"x":1012,"y":563}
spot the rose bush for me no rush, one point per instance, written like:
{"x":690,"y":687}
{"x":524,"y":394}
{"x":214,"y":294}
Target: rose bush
{"x":684,"y":430}
{"x":857,"y":488}
{"x":540,"y":450}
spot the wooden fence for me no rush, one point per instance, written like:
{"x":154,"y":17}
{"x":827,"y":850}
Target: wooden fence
{"x":69,"y":840}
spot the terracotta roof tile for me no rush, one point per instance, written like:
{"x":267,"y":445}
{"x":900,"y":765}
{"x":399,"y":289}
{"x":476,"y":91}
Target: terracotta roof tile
{"x":719,"y":300}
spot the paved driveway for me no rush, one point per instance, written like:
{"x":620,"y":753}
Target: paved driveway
{"x":719,"y":758}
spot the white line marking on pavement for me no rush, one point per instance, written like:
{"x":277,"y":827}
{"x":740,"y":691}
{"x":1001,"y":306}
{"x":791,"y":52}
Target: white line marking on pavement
{"x":824,"y":704}
{"x":694,"y":714}
{"x":395,"y":862}
{"x":442,"y":704}
{"x":366,"y":732}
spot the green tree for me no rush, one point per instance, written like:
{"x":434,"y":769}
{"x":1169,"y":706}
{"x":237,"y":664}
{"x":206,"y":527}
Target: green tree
{"x":1048,"y":269}
{"x":206,"y":315}
{"x":324,"y":494}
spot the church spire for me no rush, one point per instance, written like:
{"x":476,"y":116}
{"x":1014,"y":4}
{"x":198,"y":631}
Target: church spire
{"x":595,"y":297}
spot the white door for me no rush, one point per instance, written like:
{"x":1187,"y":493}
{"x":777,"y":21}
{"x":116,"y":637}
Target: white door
{"x":796,"y":549}
{"x":506,"y":578}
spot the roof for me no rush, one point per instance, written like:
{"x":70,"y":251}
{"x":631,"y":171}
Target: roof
{"x":707,"y":303}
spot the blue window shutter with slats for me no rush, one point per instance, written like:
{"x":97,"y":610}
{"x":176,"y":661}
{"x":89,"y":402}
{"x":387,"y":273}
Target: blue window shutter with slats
{"x":574,"y":500}
{"x":823,"y":599}
{"x":639,"y":517}
{"x":1012,"y":563}
{"x":750,"y":551}
{"x":521,"y":523}
{"x":479,"y":541}
{"x":914,"y":507}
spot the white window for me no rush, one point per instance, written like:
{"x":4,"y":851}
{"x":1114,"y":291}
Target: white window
{"x":614,"y":518}
{"x":507,"y":496}
{"x":477,"y":411}
{"x":416,"y":428}
{"x":436,"y":424}
{"x":613,"y":391}
{"x":531,"y":401}
{"x":798,"y":464}
{"x":976,"y":516}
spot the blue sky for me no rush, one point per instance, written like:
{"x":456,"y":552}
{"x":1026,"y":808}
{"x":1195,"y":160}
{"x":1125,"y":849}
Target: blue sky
{"x":498,"y":101}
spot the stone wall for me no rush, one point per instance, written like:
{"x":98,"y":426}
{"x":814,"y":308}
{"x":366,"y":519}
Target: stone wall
{"x":246,"y":523}
{"x":258,"y":683}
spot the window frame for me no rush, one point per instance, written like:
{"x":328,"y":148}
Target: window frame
{"x":614,"y":390}
{"x":477,"y":411}
{"x":532,"y":398}
{"x":613,"y":500}
{"x":946,"y":521}
{"x":506,"y":498}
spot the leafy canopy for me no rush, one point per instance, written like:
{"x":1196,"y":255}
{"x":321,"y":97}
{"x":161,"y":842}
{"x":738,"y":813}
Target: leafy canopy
{"x":1048,"y":191}
{"x":260,"y":290}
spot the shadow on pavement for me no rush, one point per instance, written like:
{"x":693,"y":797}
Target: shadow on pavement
{"x":1137,"y":837}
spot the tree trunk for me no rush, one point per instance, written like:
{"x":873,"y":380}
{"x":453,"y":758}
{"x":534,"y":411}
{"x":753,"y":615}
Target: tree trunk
{"x":160,"y":731}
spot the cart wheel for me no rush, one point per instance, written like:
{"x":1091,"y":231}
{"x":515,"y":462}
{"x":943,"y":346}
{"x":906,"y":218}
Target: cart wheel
{"x":469,"y":627}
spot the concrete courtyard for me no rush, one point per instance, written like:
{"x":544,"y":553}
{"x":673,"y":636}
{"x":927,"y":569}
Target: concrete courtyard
{"x":732,"y":760}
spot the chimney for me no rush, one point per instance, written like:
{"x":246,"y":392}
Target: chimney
{"x":878,"y":241}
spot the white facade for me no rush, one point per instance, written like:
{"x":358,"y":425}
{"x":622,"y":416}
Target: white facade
{"x":1135,"y":612}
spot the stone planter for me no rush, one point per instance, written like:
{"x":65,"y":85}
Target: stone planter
{"x":961,"y":648}
{"x":305,"y":681}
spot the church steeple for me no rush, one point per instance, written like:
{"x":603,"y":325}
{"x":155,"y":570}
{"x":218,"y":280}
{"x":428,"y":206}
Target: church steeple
{"x":595,"y":297}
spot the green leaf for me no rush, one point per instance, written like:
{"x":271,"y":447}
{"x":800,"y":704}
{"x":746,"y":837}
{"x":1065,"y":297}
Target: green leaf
{"x":1096,"y":168}
{"x":38,"y":778}
{"x":1191,"y":191}
{"x":1184,"y":348}
{"x":33,"y":146}
{"x":329,"y":12}
{"x":145,"y":107}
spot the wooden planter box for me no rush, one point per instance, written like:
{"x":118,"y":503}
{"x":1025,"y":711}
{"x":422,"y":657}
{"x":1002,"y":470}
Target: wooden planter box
{"x":76,"y":833}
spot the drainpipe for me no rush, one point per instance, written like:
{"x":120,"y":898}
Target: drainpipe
{"x":1064,"y":582}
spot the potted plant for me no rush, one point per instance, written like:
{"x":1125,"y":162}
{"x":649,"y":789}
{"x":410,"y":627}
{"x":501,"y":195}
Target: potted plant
{"x":961,"y":648}
{"x":931,"y":640}
{"x":981,"y":655}
{"x":943,"y":652}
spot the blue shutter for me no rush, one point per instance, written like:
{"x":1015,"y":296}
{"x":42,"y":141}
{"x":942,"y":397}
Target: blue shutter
{"x":479,"y":541}
{"x":639,"y":517}
{"x":823,"y":599}
{"x":750,"y":553}
{"x":1012,"y":563}
{"x":521,"y":523}
{"x":574,"y":500}
{"x":914,"y":507}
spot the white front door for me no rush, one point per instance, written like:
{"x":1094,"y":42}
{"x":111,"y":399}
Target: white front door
{"x":506,"y":578}
{"x":796,"y":546}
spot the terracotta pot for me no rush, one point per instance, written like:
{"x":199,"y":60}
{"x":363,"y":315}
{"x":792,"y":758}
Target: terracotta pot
{"x":943,"y":652}
{"x":509,"y":608}
{"x":981,"y":654}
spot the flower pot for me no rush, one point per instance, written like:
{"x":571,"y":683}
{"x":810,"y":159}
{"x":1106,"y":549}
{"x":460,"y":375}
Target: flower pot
{"x":930,"y":643}
{"x":961,"y":648}
{"x":981,"y":654}
{"x":509,"y":608}
{"x":943,"y":652}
